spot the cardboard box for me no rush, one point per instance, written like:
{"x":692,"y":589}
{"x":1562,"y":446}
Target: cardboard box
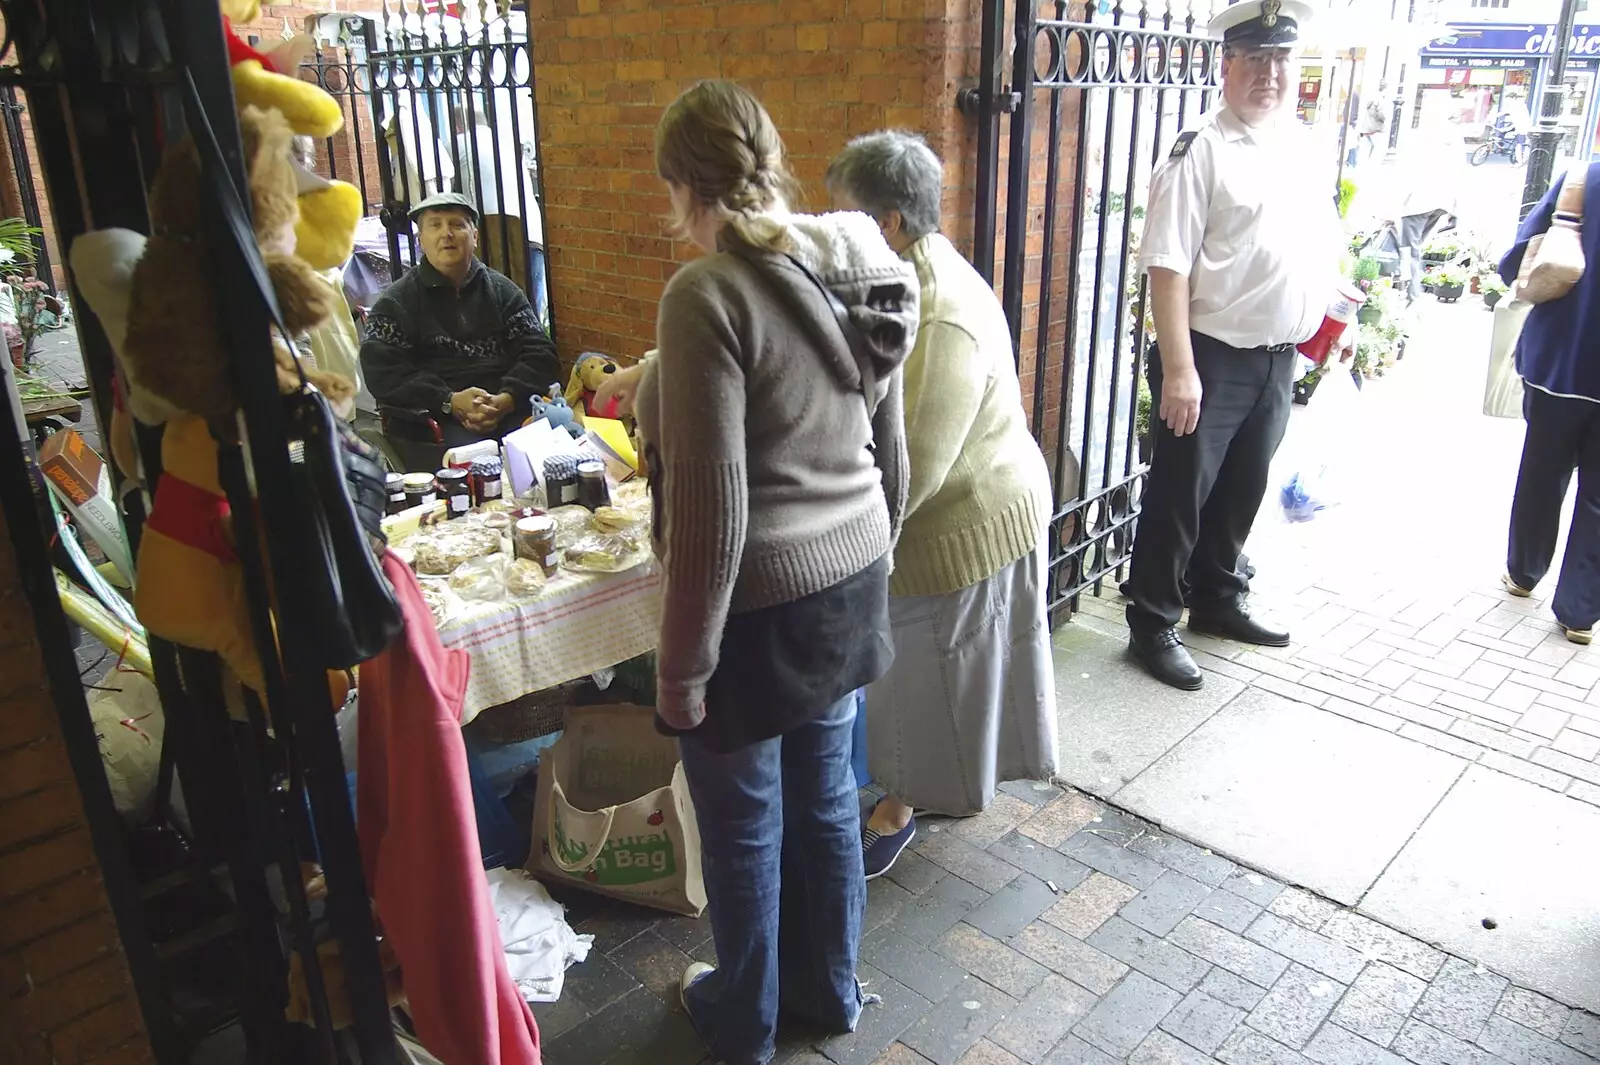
{"x":79,"y":477}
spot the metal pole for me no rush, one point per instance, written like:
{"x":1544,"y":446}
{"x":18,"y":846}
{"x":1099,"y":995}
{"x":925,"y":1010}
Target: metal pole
{"x":1545,"y":138}
{"x":1344,"y":130}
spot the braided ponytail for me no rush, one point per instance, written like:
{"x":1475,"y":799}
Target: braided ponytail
{"x":719,"y":143}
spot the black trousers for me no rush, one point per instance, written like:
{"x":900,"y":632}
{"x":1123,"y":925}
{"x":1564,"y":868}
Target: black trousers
{"x":1204,"y":489}
{"x":1563,"y":435}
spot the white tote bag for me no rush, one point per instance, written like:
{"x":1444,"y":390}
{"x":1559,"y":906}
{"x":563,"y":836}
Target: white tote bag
{"x":1502,"y":391}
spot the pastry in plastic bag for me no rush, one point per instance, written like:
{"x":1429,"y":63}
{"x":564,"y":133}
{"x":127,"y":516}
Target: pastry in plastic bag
{"x":439,"y":551}
{"x":441,"y":602}
{"x":480,"y":579}
{"x":572,"y":523}
{"x":599,"y":553}
{"x":610,"y":519}
{"x":524,"y":578}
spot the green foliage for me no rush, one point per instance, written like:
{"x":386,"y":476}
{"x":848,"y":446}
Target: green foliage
{"x":16,"y":239}
{"x":1367,"y":268}
{"x":1142,"y":407}
{"x":1347,"y":193}
{"x":1492,"y":283}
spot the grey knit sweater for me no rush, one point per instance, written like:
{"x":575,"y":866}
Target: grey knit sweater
{"x":771,"y":479}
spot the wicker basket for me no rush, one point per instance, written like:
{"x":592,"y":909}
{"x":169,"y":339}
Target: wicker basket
{"x":538,"y":714}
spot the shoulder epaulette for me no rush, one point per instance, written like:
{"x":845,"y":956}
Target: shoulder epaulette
{"x":1181,"y":145}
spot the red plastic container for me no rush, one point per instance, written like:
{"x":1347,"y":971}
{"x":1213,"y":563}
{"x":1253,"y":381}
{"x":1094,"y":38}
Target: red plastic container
{"x":1341,"y":314}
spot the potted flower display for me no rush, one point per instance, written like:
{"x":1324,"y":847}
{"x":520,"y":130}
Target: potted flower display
{"x":1448,"y":284}
{"x":1494,"y":290}
{"x":1441,"y":249}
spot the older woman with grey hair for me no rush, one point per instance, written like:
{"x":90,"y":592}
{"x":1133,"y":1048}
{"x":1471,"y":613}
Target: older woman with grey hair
{"x":970,"y":700}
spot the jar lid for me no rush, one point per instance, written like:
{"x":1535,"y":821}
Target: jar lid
{"x":419,"y":481}
{"x":392,"y":479}
{"x":539,"y":523}
{"x":486,"y":467}
{"x":452,"y":475}
{"x":591,"y":468}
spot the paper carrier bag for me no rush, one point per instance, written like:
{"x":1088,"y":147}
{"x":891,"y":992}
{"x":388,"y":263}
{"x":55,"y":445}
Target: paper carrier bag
{"x":612,"y":813}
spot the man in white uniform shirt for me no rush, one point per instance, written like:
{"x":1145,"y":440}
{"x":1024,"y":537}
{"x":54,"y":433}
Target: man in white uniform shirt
{"x":1242,"y":244}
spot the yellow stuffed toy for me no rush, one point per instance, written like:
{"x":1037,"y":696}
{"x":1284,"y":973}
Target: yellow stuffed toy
{"x":329,"y":210}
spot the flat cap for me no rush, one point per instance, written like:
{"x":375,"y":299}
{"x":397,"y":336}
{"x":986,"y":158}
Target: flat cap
{"x":446,"y":199}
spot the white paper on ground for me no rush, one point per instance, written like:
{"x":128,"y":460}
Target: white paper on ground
{"x":538,"y":942}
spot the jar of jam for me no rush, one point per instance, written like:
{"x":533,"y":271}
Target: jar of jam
{"x":486,"y":481}
{"x":456,"y":492}
{"x":394,"y":489}
{"x":535,"y":538}
{"x":560,"y":481}
{"x":592,"y":490}
{"x":419,"y":489}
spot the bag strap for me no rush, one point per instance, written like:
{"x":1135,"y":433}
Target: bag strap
{"x":214,"y":173}
{"x":558,"y":799}
{"x":852,"y":335}
{"x":1569,"y":201}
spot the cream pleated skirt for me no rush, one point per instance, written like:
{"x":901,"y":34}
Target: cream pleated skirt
{"x":970,"y":701}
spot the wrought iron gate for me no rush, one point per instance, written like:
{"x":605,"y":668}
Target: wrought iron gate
{"x":455,"y":111}
{"x":1097,"y":94}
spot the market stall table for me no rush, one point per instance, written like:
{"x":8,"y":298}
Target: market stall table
{"x":579,"y":624}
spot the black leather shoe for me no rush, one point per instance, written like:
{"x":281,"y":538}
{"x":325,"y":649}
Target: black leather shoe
{"x":1235,"y":623}
{"x":1163,"y":655}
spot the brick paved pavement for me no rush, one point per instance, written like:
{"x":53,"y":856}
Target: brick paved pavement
{"x":1475,"y":672}
{"x":1054,"y":930}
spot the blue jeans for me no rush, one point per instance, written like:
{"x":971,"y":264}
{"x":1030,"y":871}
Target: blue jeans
{"x":780,"y":837}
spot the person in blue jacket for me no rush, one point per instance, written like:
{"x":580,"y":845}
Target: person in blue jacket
{"x":1558,"y":356}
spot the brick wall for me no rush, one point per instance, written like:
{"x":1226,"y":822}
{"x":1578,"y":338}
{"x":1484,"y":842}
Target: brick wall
{"x":826,"y":69}
{"x":65,"y":994}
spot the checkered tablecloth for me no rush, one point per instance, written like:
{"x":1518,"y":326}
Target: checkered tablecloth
{"x":581,"y":623}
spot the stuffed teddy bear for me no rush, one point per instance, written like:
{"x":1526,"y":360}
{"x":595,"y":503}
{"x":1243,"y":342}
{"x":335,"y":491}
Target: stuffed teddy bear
{"x":174,"y":338}
{"x":587,"y":375}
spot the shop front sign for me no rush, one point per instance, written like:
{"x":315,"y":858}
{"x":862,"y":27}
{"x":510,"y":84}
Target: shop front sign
{"x":1510,"y":40}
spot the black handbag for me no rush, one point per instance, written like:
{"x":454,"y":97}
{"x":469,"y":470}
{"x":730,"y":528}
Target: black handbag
{"x":338,"y":480}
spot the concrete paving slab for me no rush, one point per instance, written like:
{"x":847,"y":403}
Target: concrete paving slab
{"x":1310,"y":797}
{"x":1114,"y":719}
{"x":1519,"y":855}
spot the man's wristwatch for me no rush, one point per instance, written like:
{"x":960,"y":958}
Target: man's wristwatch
{"x":449,"y":405}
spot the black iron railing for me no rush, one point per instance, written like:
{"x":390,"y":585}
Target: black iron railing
{"x":1113,"y":87}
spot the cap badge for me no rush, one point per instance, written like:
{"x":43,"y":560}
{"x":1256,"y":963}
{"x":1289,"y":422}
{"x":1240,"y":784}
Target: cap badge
{"x":1269,"y":12}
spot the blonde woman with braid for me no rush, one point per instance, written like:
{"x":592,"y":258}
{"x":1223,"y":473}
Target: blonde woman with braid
{"x":773,"y":433}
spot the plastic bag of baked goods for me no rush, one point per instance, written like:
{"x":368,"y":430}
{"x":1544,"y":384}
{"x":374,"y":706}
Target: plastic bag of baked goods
{"x":524,"y":578}
{"x":571,"y":524}
{"x":480,"y":579}
{"x":437,"y":551}
{"x":602,"y":553}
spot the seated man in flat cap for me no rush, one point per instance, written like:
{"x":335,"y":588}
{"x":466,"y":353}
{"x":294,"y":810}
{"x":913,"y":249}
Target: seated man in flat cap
{"x":1242,"y":246}
{"x":455,"y":338}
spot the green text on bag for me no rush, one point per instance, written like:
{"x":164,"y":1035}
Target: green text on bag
{"x":622,"y":862}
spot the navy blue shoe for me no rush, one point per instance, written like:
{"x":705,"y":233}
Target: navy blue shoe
{"x":879,"y":852}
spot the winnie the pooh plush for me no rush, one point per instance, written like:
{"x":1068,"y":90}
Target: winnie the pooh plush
{"x":190,"y":587}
